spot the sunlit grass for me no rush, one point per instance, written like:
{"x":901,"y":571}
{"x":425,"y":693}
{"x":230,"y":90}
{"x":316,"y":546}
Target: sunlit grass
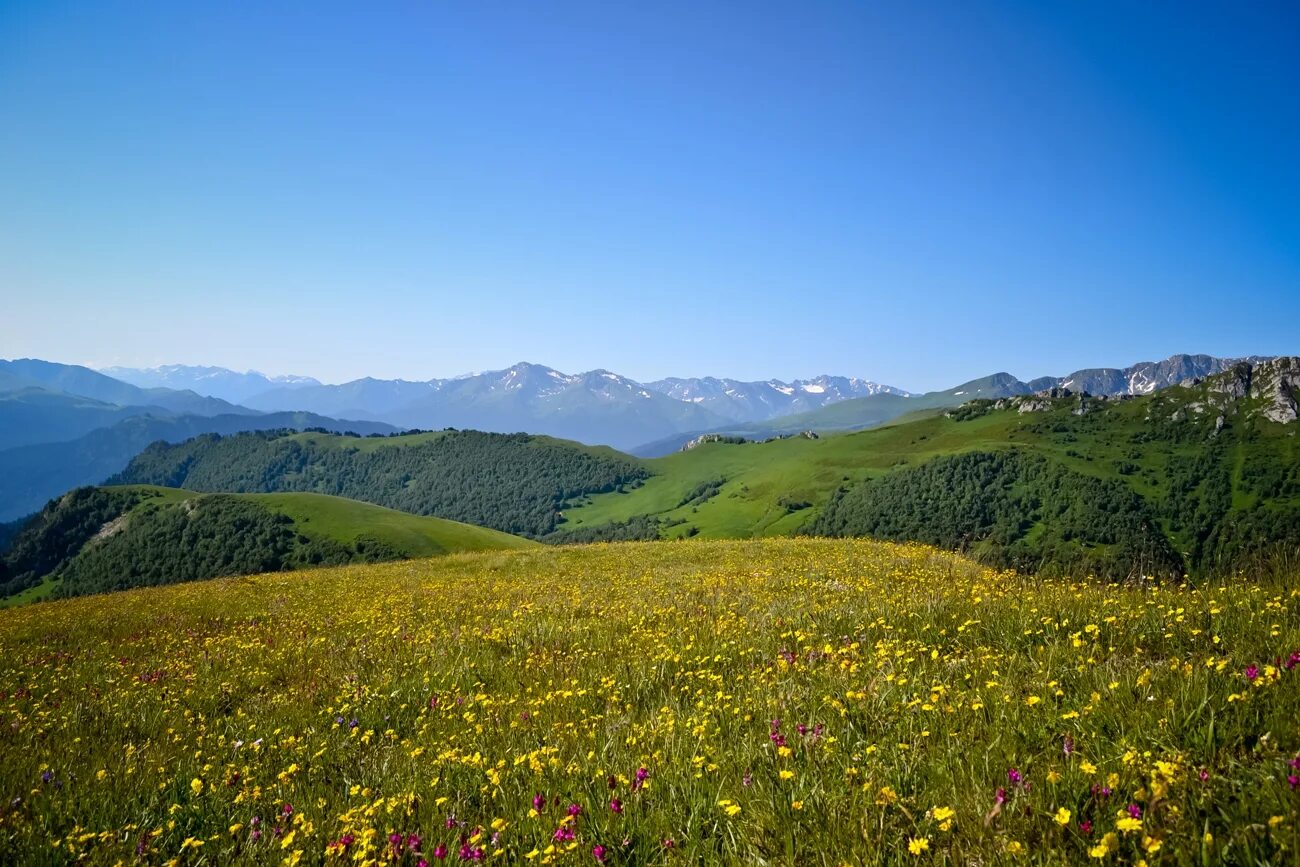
{"x":785,"y":701}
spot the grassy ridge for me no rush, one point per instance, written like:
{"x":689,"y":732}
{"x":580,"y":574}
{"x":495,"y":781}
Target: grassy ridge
{"x":510,"y":482}
{"x":130,"y":535}
{"x":782,"y":701}
{"x":345,"y":521}
{"x":1193,"y":477}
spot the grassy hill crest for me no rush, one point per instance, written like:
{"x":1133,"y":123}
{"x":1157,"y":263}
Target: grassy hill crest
{"x":116,"y":537}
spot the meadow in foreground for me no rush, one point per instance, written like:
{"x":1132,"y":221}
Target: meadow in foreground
{"x":784,"y":701}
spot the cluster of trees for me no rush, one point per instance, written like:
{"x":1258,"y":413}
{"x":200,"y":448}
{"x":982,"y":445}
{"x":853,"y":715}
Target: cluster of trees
{"x":703,"y":492}
{"x":1011,"y":509}
{"x":513,"y":482}
{"x":638,"y":528}
{"x":1227,"y":526}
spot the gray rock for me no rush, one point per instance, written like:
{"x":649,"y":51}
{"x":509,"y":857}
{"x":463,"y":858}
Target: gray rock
{"x":1277,"y":382}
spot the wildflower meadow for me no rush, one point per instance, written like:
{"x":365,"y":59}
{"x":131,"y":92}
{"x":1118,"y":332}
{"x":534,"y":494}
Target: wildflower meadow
{"x":775,"y":702}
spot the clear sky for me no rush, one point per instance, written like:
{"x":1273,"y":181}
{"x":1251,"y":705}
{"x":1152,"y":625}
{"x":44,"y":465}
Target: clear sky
{"x":918,"y":193}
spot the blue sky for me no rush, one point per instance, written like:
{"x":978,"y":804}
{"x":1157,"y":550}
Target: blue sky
{"x":915,"y":193}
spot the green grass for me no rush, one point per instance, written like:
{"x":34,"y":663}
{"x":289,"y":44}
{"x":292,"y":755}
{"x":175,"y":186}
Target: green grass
{"x":344,"y":520}
{"x":760,"y":474}
{"x":37,"y":593}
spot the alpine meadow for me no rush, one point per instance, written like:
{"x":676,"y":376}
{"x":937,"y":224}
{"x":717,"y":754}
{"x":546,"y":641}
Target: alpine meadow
{"x":827,"y":434}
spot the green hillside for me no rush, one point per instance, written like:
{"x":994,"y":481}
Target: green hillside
{"x":1215,"y":479}
{"x":516,"y":483}
{"x":111,"y":538}
{"x":854,"y":414}
{"x":346,"y":521}
{"x":1199,"y":479}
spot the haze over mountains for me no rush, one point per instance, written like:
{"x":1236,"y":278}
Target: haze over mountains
{"x":63,"y":425}
{"x":214,"y":381}
{"x":566,"y":403}
{"x":600,"y":406}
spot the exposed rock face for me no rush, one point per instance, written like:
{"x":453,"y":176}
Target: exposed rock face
{"x":112,"y":528}
{"x":1273,"y":382}
{"x":1234,"y":384}
{"x":1148,"y":376}
{"x":711,"y":438}
{"x":1263,"y":387}
{"x":1278,"y":381}
{"x":1040,"y":401}
{"x":1032,"y":404}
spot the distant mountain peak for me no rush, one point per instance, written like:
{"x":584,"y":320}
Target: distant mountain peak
{"x":755,"y":401}
{"x":207,"y":380}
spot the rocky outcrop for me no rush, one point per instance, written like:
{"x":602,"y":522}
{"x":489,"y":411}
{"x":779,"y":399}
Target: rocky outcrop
{"x":1277,"y":383}
{"x":1268,"y":388}
{"x":1147,"y":377}
{"x":703,"y":439}
{"x":1232,"y":384}
{"x":1050,"y":398}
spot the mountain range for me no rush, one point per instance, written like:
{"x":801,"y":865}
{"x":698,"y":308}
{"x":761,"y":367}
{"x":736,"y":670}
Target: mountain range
{"x":33,"y":373}
{"x":213,"y":381}
{"x":66,"y":425}
{"x":875,"y":409}
{"x":600,"y":406}
{"x":1199,"y":478}
{"x":63,"y":425}
{"x":597,"y":406}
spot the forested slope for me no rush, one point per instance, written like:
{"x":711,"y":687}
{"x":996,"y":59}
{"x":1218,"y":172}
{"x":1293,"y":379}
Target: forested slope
{"x":516,"y":483}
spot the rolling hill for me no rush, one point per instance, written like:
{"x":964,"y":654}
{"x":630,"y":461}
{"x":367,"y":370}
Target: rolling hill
{"x":1189,"y":478}
{"x":517,"y":483}
{"x":1193,"y":478}
{"x":112,"y":538}
{"x":1197,"y":477}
